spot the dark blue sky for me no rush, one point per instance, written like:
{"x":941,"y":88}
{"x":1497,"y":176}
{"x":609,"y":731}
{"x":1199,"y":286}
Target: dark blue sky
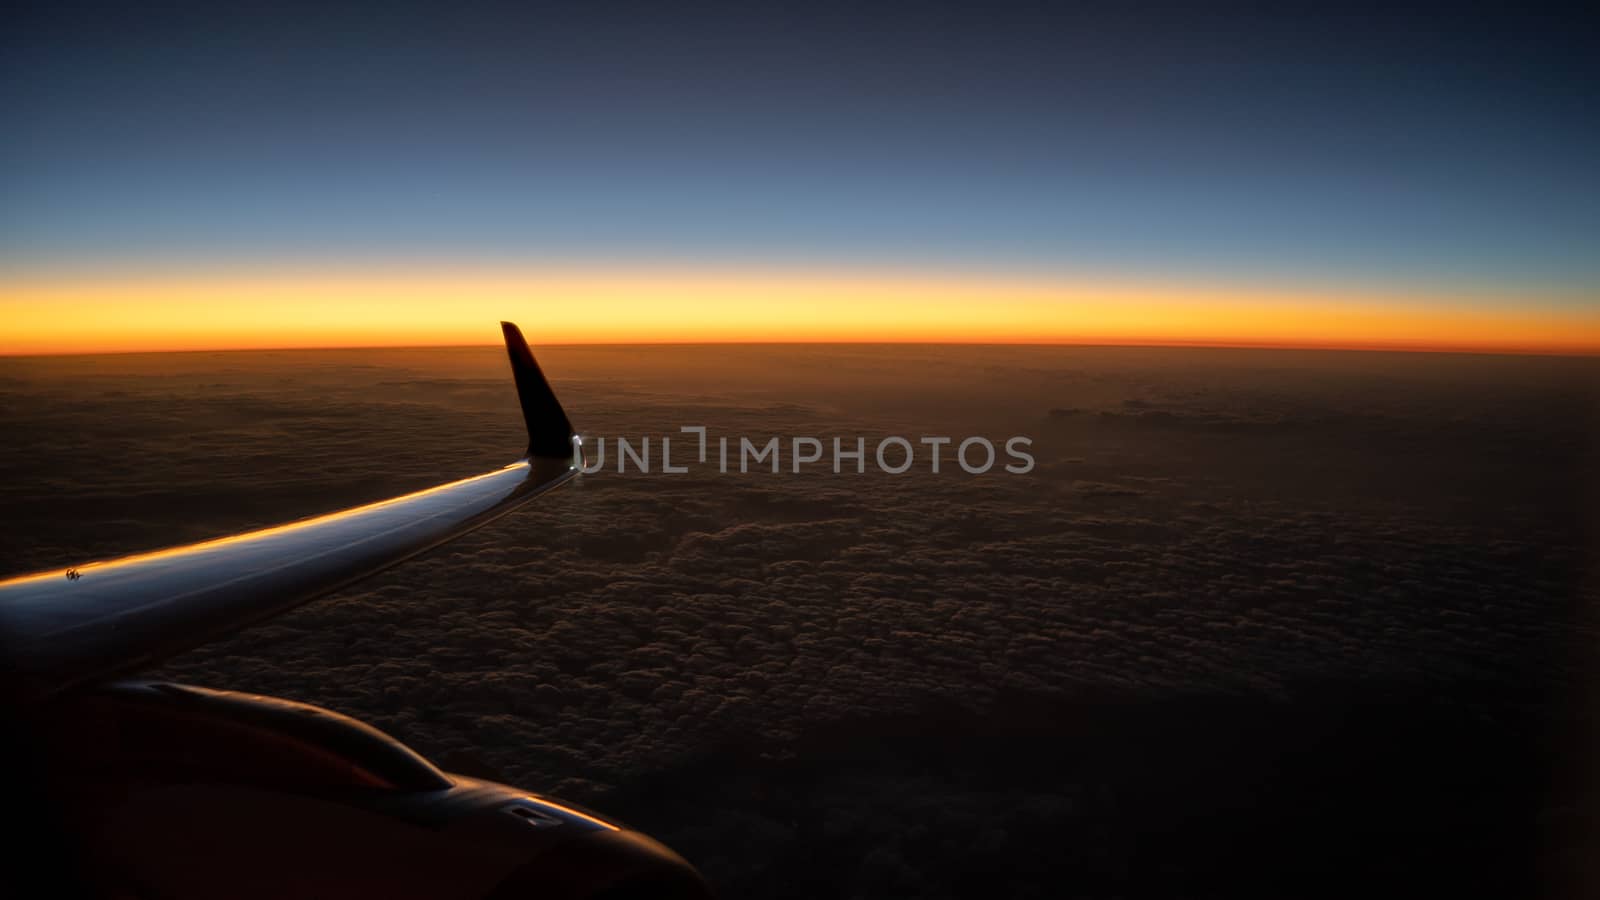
{"x":1442,"y":147}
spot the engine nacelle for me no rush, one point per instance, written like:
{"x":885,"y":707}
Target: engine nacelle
{"x":178,"y":791}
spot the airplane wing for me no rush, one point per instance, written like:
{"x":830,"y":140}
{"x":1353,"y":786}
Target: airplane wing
{"x":99,"y":619}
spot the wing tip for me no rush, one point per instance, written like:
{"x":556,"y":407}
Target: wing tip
{"x":550,"y":434}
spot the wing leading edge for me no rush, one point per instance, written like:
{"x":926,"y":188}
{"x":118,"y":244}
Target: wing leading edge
{"x":67,"y":626}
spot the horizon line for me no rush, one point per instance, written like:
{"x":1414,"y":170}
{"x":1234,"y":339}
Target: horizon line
{"x":1330,"y":347}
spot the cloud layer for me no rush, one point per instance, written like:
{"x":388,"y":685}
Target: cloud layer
{"x":1352,"y":562}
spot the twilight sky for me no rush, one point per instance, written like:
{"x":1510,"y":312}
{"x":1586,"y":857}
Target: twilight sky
{"x":1312,"y":161}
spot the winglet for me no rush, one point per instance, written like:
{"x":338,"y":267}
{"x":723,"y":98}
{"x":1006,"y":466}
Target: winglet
{"x":550,"y":434}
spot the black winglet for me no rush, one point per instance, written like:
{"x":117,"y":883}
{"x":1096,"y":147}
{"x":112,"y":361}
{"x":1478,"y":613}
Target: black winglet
{"x":550,"y":434}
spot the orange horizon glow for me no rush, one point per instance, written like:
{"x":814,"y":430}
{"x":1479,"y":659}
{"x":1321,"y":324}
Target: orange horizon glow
{"x":238,"y":310}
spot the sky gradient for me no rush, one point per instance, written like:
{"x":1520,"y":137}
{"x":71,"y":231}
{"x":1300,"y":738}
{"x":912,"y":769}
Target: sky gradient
{"x":181,"y":177}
